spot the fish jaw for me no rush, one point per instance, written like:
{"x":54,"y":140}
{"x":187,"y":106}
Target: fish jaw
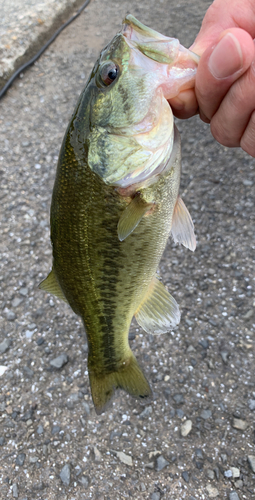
{"x":175,"y":64}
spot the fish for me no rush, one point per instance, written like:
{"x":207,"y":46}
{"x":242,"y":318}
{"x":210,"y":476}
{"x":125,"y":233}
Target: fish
{"x":116,"y":201}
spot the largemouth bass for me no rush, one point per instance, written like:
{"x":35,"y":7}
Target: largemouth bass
{"x":116,"y":200}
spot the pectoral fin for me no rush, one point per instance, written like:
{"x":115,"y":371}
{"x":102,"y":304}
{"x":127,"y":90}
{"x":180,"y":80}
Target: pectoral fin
{"x":182,"y":226}
{"x":51,"y":285}
{"x":131,"y":216}
{"x":158,"y":312}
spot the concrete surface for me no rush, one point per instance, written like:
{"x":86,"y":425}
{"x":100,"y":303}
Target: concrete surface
{"x":26,"y":26}
{"x":196,"y":438}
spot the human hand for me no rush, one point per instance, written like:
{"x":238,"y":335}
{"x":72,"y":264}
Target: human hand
{"x":224,"y":93}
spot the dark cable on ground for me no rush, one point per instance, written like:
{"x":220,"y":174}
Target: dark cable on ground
{"x":32,"y":61}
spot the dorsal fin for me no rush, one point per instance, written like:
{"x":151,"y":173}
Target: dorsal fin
{"x":182,"y":226}
{"x":159,"y":311}
{"x":51,"y":285}
{"x":132,"y":215}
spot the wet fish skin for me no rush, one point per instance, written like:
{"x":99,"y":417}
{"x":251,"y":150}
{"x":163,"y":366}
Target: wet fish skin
{"x":104,"y":266}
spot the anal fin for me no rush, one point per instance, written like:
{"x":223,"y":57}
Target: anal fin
{"x":132,"y":215}
{"x":159,"y":311}
{"x":51,"y":285}
{"x":182,"y":226}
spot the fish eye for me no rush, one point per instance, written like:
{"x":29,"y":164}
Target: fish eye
{"x":108,"y":73}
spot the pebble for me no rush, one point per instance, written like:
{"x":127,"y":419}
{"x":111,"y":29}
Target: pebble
{"x":24,"y":291}
{"x":161,"y":463}
{"x":199,"y":453}
{"x":212,"y":491}
{"x":210,"y":474}
{"x":4,"y":346}
{"x":185,"y":476}
{"x":186,"y":428}
{"x":251,"y":461}
{"x":233,"y":496}
{"x":205,"y":414}
{"x":155,"y":496}
{"x":10,"y":315}
{"x":84,"y":480}
{"x":248,"y":315}
{"x":39,"y":429}
{"x":60,"y":361}
{"x":2,"y":440}
{"x":3,"y":369}
{"x":98,"y":455}
{"x":20,"y":459}
{"x":224,"y":355}
{"x":65,"y":474}
{"x":239,"y":424}
{"x":235,"y":472}
{"x":228,"y":473}
{"x":239,"y":484}
{"x":204,"y":343}
{"x":15,"y":490}
{"x":125,"y":459}
{"x":16,"y":302}
{"x":251,"y":402}
{"x":180,"y":413}
{"x":179,"y":399}
{"x":55,"y":429}
{"x":146,"y":412}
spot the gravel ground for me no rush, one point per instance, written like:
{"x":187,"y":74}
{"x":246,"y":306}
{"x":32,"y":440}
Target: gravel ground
{"x":195,"y":440}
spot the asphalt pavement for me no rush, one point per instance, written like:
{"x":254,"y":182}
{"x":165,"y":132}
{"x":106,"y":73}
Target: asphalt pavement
{"x":195,"y":440}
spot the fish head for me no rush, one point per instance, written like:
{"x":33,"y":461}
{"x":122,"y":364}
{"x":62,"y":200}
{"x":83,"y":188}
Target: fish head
{"x":130,"y":121}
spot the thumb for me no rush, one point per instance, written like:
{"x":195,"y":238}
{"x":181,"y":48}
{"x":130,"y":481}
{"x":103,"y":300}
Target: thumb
{"x":220,"y":66}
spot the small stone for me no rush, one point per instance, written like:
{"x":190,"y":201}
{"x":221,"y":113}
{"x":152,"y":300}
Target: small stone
{"x":146,"y":412}
{"x":204,"y":343}
{"x":33,"y":459}
{"x":228,"y":474}
{"x":224,"y":458}
{"x":2,"y":440}
{"x":40,"y":341}
{"x":248,"y":315}
{"x":125,"y":459}
{"x":251,"y":402}
{"x":10,"y":315}
{"x":247,"y":182}
{"x":28,"y":372}
{"x":235,"y":472}
{"x":210,"y":474}
{"x":142,"y":487}
{"x":233,"y":496}
{"x":205,"y":414}
{"x":239,"y":424}
{"x":178,"y":398}
{"x":24,"y":291}
{"x":4,"y":346}
{"x":15,"y":490}
{"x":161,"y":463}
{"x":155,"y":496}
{"x":39,"y":429}
{"x":224,"y":355}
{"x":185,"y":476}
{"x":180,"y":413}
{"x":199,"y":453}
{"x":84,"y":480}
{"x":212,"y":491}
{"x":98,"y":455}
{"x":55,"y":429}
{"x":16,"y":302}
{"x":239,"y":484}
{"x":60,"y":361}
{"x":186,"y":428}
{"x":20,"y":459}
{"x":251,"y":461}
{"x":3,"y":369}
{"x":65,"y":474}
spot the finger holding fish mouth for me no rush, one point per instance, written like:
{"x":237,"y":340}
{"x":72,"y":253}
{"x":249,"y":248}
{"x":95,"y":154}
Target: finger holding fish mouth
{"x":224,"y":90}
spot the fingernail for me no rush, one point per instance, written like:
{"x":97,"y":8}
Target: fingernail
{"x":226,"y":58}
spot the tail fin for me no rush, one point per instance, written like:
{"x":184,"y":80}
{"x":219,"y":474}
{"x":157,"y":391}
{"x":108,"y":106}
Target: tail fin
{"x":130,"y":378}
